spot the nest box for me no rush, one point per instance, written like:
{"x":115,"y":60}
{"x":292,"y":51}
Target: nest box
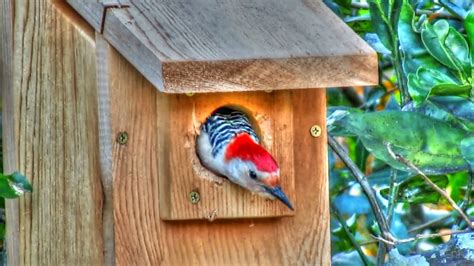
{"x":162,"y":67}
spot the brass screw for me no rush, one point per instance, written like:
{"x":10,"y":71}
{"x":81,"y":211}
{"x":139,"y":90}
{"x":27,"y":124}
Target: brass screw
{"x":194,"y":197}
{"x":122,"y":138}
{"x":315,"y":131}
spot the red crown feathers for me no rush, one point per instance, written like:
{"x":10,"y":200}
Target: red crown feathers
{"x":245,"y":148}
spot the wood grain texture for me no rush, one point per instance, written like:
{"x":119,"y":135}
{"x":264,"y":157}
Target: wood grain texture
{"x":142,"y":238}
{"x":56,"y":136}
{"x":105,"y":147}
{"x":180,"y":169}
{"x":215,"y":45}
{"x":90,"y":10}
{"x":9,"y":126}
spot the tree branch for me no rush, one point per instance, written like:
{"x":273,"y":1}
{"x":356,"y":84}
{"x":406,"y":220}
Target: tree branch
{"x":429,"y":223}
{"x":393,"y":192}
{"x":364,"y":183}
{"x":443,"y":193}
{"x":421,"y":236}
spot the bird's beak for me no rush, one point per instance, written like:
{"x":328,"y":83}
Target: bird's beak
{"x":279,"y":194}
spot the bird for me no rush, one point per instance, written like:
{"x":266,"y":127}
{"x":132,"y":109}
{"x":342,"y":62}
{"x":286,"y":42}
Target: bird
{"x":228,"y":146}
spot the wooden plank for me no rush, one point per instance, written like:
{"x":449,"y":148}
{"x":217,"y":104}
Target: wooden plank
{"x":213,"y":45}
{"x":55,"y":108}
{"x":9,"y":126}
{"x":181,"y":171}
{"x":105,"y":147}
{"x":90,"y":11}
{"x":142,"y":238}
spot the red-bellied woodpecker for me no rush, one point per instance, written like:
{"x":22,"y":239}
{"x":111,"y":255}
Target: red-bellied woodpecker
{"x":228,"y":146}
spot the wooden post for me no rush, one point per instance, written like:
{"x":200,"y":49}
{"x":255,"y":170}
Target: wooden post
{"x":9,"y":126}
{"x":52,"y":136}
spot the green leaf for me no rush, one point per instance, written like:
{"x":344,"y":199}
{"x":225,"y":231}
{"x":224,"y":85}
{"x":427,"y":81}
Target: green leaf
{"x":381,"y":23}
{"x":454,"y":110}
{"x":448,"y":46}
{"x":14,"y":185}
{"x":453,"y":8}
{"x":457,"y":184}
{"x":2,"y":231}
{"x":373,"y":40}
{"x":384,"y":15}
{"x":469,"y":26}
{"x":334,"y":114}
{"x":430,"y":144}
{"x":427,"y":82}
{"x":417,"y":91}
{"x":361,"y":155}
{"x":414,"y":52}
{"x":467,"y":150}
{"x":415,"y":190}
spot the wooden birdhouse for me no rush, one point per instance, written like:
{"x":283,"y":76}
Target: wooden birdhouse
{"x":106,"y":99}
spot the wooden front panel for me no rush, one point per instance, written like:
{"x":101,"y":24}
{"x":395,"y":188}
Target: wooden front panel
{"x":142,"y":237}
{"x":180,"y":171}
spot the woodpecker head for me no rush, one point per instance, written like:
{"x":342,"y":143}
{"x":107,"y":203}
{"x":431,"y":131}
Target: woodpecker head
{"x":252,"y":167}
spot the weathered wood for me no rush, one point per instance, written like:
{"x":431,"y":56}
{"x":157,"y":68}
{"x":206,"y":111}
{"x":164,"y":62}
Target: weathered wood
{"x":105,"y":147}
{"x":179,"y":120}
{"x":142,"y":238}
{"x":214,"y":45}
{"x":92,"y":11}
{"x":9,"y":126}
{"x":54,"y":105}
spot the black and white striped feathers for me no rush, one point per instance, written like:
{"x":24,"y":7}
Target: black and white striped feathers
{"x":223,"y":125}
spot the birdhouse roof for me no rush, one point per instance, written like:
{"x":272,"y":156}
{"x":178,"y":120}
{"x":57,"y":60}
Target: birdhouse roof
{"x":224,"y":45}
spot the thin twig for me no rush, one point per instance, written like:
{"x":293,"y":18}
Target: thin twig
{"x":429,"y":223}
{"x":467,"y":198}
{"x":420,"y":236}
{"x":369,"y":242}
{"x":418,"y":12}
{"x":348,"y":232}
{"x":443,"y":193}
{"x":364,"y":183}
{"x":393,"y":192}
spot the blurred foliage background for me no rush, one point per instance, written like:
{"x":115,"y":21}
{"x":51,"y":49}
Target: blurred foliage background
{"x":422,"y":112}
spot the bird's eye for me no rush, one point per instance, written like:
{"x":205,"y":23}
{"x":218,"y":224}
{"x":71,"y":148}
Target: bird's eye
{"x":252,"y":174}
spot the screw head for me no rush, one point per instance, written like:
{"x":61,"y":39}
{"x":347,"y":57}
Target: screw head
{"x":315,"y":131}
{"x":194,"y":197}
{"x":122,"y":138}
